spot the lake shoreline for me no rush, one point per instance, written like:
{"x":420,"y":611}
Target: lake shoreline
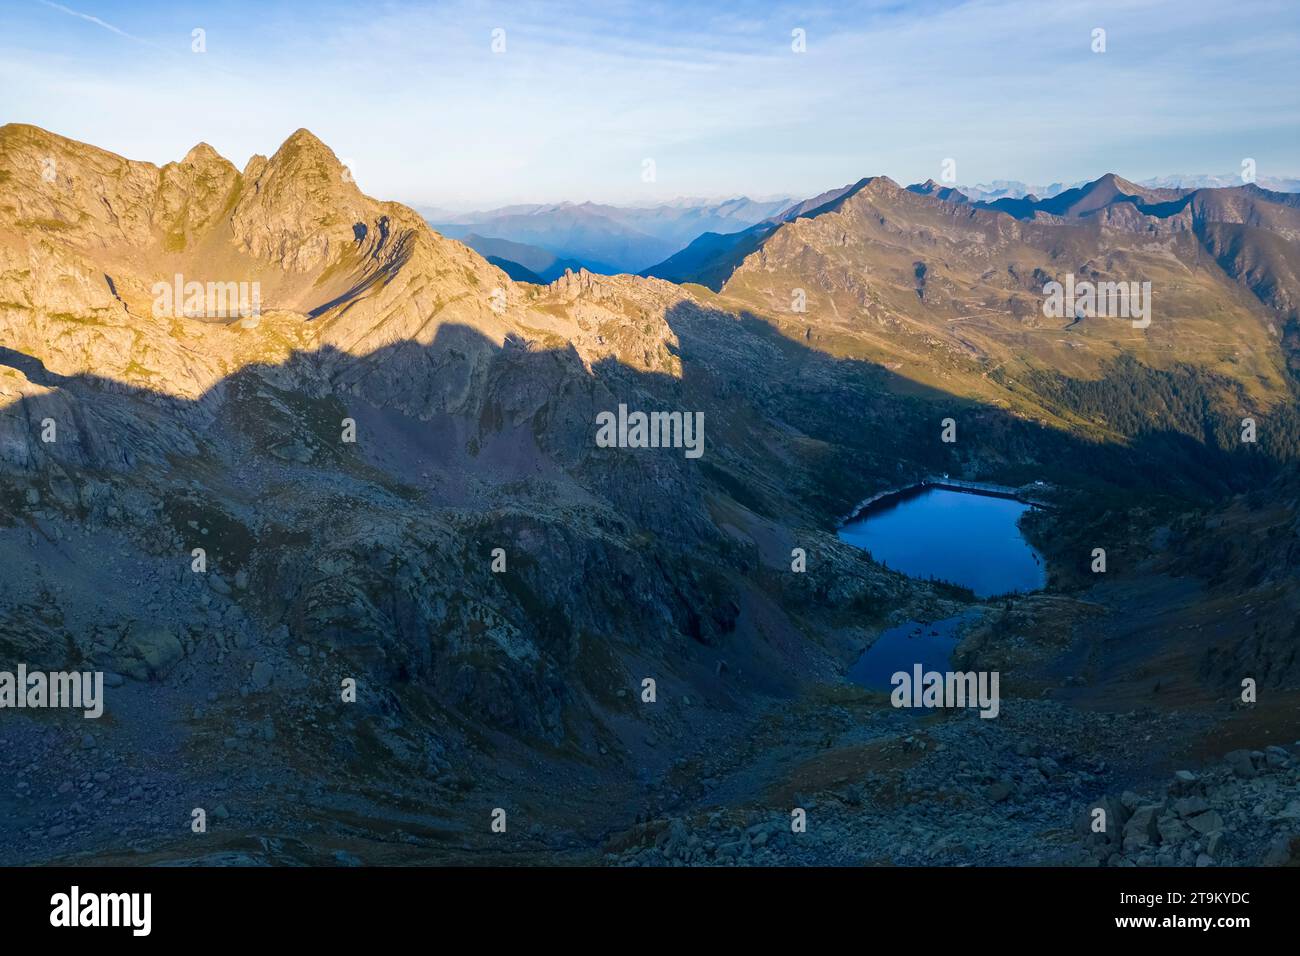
{"x":947,"y":484}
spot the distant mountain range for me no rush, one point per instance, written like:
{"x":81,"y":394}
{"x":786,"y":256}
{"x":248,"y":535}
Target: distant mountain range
{"x":601,"y":238}
{"x":694,"y":240}
{"x":1281,"y":184}
{"x":1010,"y":189}
{"x":711,"y":257}
{"x":1014,"y":189}
{"x":520,"y":261}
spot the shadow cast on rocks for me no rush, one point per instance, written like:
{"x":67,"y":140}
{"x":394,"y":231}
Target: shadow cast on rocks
{"x":375,"y":557}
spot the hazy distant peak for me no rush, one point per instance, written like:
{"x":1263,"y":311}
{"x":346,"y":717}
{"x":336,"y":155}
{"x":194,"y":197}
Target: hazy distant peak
{"x":1106,"y":188}
{"x":1113,"y":181}
{"x":947,"y":193}
{"x":877,"y":182}
{"x":1281,"y":184}
{"x":1013,"y":189}
{"x":1083,"y":200}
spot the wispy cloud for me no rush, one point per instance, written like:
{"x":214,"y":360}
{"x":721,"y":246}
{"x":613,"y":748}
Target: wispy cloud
{"x":413,"y":93}
{"x":98,"y":22}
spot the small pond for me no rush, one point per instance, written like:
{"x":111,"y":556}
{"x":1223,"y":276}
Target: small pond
{"x":899,"y":648}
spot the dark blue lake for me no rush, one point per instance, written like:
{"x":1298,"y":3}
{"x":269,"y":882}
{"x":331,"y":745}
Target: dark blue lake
{"x":899,"y":648}
{"x":957,"y":536}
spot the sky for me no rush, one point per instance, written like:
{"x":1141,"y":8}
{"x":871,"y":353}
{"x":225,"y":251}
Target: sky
{"x":577,"y":98}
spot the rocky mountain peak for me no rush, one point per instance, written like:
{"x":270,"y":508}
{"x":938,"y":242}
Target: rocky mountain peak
{"x":307,"y":167}
{"x":299,"y":207}
{"x":304,"y":146}
{"x":201,"y":155}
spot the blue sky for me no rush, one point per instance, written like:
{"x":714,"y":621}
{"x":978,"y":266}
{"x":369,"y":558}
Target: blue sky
{"x":413,"y":97}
